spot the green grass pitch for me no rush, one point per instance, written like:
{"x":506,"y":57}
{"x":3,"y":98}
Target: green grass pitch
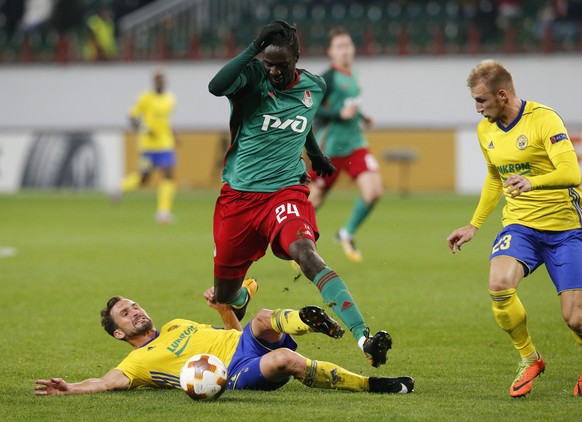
{"x":72,"y":251}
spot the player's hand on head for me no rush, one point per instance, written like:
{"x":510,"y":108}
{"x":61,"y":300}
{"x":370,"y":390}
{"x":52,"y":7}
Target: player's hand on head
{"x":283,"y":23}
{"x":268,"y":33}
{"x":322,"y":165}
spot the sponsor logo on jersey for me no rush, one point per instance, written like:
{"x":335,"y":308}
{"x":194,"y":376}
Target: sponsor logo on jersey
{"x":177,"y":347}
{"x":559,"y":137}
{"x":299,"y":125}
{"x":521,"y":168}
{"x":521,"y":142}
{"x":307,"y":100}
{"x":490,"y":146}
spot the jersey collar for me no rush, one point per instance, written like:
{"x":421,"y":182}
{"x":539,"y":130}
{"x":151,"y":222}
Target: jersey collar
{"x":343,"y":70}
{"x":150,"y":340}
{"x":515,"y":121}
{"x":295,"y":81}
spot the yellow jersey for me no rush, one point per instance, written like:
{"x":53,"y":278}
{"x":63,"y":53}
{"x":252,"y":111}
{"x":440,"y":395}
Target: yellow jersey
{"x":528,"y":147}
{"x":155,"y":111}
{"x":157,"y":363}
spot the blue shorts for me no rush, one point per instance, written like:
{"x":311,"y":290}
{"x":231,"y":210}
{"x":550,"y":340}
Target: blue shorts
{"x":560,"y":251}
{"x":244,"y":372}
{"x":158,"y":159}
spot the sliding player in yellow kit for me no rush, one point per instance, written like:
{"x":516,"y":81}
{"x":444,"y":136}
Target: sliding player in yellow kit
{"x":151,"y":117}
{"x":531,"y":160}
{"x":259,"y":357}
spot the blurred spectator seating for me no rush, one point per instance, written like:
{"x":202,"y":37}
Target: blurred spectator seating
{"x":205,"y":29}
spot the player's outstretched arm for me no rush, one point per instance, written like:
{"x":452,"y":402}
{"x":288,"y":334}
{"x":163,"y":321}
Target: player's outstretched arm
{"x":490,"y":194}
{"x":228,"y":316}
{"x":460,"y":236}
{"x":111,"y":381}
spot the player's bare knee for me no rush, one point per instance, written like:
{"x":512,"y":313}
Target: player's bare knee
{"x":373,"y":195}
{"x":263,"y":318}
{"x":500,"y":281}
{"x":284,"y":360}
{"x":316,"y":201}
{"x":304,"y":253}
{"x":496,"y":286}
{"x":311,"y":264}
{"x":574,"y":321}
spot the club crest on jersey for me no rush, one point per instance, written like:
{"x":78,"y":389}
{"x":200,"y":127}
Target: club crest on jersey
{"x":559,"y":137}
{"x":521,"y":142}
{"x":307,"y":100}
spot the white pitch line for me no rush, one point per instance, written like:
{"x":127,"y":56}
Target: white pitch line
{"x":7,"y":251}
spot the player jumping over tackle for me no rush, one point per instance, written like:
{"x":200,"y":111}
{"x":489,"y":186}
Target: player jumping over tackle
{"x":264,"y":199}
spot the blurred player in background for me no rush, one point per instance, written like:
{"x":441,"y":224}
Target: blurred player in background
{"x":264,"y":199}
{"x":531,"y":160}
{"x":260,"y":357}
{"x":151,"y":117}
{"x":339,"y":134}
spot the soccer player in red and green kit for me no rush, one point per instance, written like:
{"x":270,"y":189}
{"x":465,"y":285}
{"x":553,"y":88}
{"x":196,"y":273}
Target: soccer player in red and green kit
{"x":339,"y":134}
{"x":264,"y":199}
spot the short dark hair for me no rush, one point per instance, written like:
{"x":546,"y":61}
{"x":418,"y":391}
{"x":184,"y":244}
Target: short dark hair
{"x":334,"y":32}
{"x":106,"y":319}
{"x":287,"y":38}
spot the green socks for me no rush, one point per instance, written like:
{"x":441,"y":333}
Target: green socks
{"x":336,"y":294}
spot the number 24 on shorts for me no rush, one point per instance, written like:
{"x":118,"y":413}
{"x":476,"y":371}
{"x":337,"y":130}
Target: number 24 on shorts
{"x":284,"y":210}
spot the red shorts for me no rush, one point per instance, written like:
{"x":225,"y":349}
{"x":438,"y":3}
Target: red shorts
{"x":356,"y":163}
{"x":245,"y":223}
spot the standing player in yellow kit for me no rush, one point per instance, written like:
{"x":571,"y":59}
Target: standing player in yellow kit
{"x":156,"y":143}
{"x":531,"y":160}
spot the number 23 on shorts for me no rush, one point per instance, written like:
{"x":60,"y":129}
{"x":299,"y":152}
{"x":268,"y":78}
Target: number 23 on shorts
{"x":503,"y":244}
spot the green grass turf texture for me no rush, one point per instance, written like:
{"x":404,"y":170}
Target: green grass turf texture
{"x":75,"y":250}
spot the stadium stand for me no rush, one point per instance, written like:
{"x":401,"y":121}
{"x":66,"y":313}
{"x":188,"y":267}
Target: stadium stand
{"x":203,"y":29}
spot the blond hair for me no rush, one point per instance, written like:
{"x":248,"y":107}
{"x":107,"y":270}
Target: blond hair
{"x":493,"y":75}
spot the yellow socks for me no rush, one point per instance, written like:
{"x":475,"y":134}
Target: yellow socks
{"x":320,"y":374}
{"x":166,"y":193}
{"x":131,"y":182}
{"x":288,"y":321}
{"x":577,"y":337}
{"x":510,"y":315}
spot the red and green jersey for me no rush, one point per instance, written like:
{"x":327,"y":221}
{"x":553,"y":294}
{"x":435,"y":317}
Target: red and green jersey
{"x":268,"y":126}
{"x":338,"y":137}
